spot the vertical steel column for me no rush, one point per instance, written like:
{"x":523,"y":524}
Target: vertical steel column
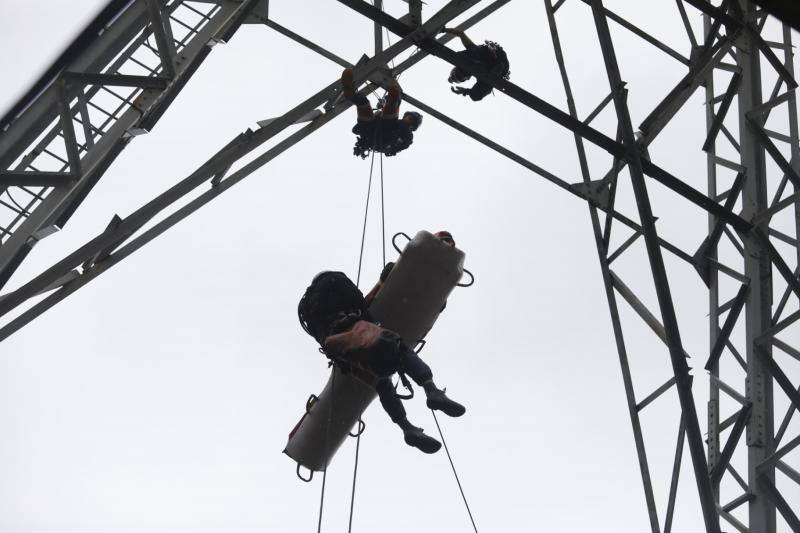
{"x":669,"y":320}
{"x":714,"y":447}
{"x":758,"y":269}
{"x":794,"y":136}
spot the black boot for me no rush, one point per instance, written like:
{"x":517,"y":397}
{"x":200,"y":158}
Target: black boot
{"x":417,"y":438}
{"x":439,"y":401}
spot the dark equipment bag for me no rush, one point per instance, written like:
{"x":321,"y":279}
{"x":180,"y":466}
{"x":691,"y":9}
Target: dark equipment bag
{"x":330,"y":296}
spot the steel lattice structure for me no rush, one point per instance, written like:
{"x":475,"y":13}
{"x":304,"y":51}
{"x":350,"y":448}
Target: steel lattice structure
{"x":122,"y":73}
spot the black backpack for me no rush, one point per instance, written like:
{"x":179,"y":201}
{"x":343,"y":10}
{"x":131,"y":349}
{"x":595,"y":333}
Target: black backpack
{"x":385,"y":136}
{"x":500,"y":66}
{"x":330,"y":296}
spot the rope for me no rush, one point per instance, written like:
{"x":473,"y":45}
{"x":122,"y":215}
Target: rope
{"x":327,"y":448}
{"x":441,"y":435}
{"x":389,"y":45}
{"x":358,"y":281}
{"x":383,"y":216}
{"x":333,"y":370}
{"x":355,"y":472}
{"x":364,"y":229}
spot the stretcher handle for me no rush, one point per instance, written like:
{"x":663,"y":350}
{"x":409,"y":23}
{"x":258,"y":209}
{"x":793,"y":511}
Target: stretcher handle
{"x":399,"y":251}
{"x":361,"y":427}
{"x":471,"y":279}
{"x":310,"y":474}
{"x":310,"y":402}
{"x":407,"y":385}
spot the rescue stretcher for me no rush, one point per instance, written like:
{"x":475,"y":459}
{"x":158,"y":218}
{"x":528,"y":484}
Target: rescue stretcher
{"x":409,"y":303}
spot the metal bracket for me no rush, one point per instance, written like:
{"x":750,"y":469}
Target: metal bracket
{"x":596,"y":192}
{"x":116,"y":220}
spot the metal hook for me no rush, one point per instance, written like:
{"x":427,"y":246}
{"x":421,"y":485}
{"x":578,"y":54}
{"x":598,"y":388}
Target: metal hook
{"x":408,"y":387}
{"x":312,"y":400}
{"x":361,"y":427}
{"x":471,"y":279}
{"x":399,"y":251}
{"x":310,"y":474}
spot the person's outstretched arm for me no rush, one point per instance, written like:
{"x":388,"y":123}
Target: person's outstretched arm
{"x":384,"y":274}
{"x":461,"y":35}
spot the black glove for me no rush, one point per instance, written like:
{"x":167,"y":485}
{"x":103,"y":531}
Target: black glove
{"x":460,"y":90}
{"x":386,"y":270}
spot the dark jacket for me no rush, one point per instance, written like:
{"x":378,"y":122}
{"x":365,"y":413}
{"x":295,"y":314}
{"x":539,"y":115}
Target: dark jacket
{"x":388,"y":136}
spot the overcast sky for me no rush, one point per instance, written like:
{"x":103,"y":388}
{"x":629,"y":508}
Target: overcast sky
{"x":158,"y":398}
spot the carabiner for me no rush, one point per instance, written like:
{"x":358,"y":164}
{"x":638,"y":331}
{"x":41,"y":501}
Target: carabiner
{"x":471,"y":279}
{"x":310,"y":474}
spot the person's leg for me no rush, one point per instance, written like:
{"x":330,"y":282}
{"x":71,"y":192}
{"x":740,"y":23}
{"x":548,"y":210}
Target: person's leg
{"x":479,"y":91}
{"x":361,"y":102}
{"x":391,"y":109}
{"x":390,"y":402}
{"x":414,"y":366}
{"x":422,"y":375}
{"x":393,"y":406}
{"x":363,"y":108}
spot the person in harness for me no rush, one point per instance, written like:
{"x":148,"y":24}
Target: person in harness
{"x":489,"y":55}
{"x":382,"y":131}
{"x":334,"y":311}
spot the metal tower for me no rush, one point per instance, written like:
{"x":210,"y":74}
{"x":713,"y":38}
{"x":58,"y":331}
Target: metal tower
{"x":121,"y":74}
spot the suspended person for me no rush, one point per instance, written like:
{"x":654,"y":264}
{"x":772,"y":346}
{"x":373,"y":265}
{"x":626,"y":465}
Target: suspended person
{"x":382,"y":131}
{"x":333,"y":311}
{"x":489,"y":55}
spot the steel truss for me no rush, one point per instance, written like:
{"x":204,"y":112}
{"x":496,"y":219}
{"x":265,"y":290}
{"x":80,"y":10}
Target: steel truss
{"x":54,"y":149}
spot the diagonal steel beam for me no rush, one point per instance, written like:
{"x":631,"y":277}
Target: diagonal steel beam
{"x":676,"y":471}
{"x":118,"y":233}
{"x":166,"y":48}
{"x":718,"y":469}
{"x":553,"y":113}
{"x":643,"y":34}
{"x":707,"y":252}
{"x":710,"y":58}
{"x":305,"y":42}
{"x":106,"y":42}
{"x":727,"y":328}
{"x":663,"y":293}
{"x":733,"y":86}
{"x":601,"y":244}
{"x":612,"y":215}
{"x":236,"y":150}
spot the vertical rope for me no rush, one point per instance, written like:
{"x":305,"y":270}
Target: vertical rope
{"x":364,"y":229}
{"x":355,"y":473}
{"x":463,"y":497}
{"x":383,"y":216}
{"x":327,"y":448}
{"x":358,"y":282}
{"x":322,"y":499}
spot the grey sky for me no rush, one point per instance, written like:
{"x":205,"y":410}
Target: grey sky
{"x":159,"y":397}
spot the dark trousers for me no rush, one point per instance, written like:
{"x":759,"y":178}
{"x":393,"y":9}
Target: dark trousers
{"x":394,"y":356}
